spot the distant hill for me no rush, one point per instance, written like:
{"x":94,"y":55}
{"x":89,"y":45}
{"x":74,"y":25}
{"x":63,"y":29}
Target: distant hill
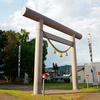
{"x":63,"y":69}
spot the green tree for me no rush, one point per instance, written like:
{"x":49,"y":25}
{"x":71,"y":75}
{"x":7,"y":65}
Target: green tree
{"x":45,"y":45}
{"x":67,"y":80}
{"x":10,"y":39}
{"x":24,"y":36}
{"x":27,"y":59}
{"x":3,"y":42}
{"x":55,"y":67}
{"x":11,"y":62}
{"x":27,"y":54}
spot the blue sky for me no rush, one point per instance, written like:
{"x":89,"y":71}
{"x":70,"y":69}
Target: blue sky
{"x":82,"y":16}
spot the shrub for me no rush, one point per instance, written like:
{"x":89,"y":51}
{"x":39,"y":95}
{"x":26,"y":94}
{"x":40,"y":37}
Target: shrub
{"x":67,"y":80}
{"x":56,"y":80}
{"x":46,"y":81}
{"x":61,"y":79}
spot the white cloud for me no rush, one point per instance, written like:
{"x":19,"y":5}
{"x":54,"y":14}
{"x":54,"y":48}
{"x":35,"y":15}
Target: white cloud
{"x":10,"y":16}
{"x":31,"y":4}
{"x":3,"y":24}
{"x":81,"y":16}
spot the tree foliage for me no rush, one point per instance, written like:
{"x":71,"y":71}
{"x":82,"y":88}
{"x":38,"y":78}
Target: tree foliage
{"x":3,"y":42}
{"x":14,"y":39}
{"x":27,"y":59}
{"x":67,"y":80}
{"x":11,"y":62}
{"x":45,"y":45}
{"x":55,"y":67}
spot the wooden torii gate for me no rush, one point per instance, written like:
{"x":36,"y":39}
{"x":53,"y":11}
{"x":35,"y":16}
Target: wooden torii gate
{"x":41,"y":19}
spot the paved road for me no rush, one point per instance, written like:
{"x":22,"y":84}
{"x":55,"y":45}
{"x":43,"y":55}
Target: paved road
{"x":93,"y":96}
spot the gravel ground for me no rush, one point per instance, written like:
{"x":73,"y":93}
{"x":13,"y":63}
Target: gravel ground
{"x":48,"y":91}
{"x":92,"y":96}
{"x":7,"y":97}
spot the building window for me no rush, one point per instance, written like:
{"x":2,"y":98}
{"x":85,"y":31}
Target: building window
{"x":79,"y":77}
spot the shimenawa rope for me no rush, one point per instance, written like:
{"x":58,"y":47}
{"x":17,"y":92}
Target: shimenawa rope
{"x":54,"y":46}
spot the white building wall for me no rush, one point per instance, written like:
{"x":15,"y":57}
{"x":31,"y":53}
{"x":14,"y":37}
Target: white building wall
{"x":81,"y":76}
{"x":96,"y":66}
{"x":70,"y":79}
{"x":87,"y":71}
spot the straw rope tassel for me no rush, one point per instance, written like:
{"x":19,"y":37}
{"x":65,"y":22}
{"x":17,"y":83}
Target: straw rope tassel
{"x":55,"y":49}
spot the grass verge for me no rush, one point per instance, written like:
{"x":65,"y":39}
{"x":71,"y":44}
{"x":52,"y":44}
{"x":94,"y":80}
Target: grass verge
{"x":65,"y":85}
{"x":81,"y":93}
{"x":76,"y":96}
{"x":28,"y":96}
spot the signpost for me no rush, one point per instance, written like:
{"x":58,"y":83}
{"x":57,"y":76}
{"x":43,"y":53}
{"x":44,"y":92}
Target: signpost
{"x":99,"y":77}
{"x":87,"y":80}
{"x":98,"y":73}
{"x":43,"y":76}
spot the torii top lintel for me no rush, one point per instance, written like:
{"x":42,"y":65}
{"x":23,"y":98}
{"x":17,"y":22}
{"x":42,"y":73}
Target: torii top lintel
{"x":49,"y":22}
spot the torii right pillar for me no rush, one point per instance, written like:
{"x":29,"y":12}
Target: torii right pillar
{"x":74,"y":63}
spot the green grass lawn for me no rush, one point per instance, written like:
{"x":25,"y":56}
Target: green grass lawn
{"x":28,"y":96}
{"x":65,"y":85}
{"x":75,"y":96}
{"x":81,"y":93}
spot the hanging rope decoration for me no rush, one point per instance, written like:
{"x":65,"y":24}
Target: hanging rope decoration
{"x":55,"y":49}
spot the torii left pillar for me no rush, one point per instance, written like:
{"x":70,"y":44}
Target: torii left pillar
{"x":38,"y":58}
{"x":74,"y":63}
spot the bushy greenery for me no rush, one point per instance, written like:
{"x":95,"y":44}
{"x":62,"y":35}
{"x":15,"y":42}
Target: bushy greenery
{"x":65,"y":85}
{"x":49,"y":81}
{"x":11,"y":48}
{"x":67,"y":80}
{"x":3,"y":43}
{"x":64,"y":69}
{"x":55,"y":67}
{"x":28,"y":96}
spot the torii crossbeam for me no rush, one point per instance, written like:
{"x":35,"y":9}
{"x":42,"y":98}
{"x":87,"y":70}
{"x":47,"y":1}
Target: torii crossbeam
{"x":38,"y":49}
